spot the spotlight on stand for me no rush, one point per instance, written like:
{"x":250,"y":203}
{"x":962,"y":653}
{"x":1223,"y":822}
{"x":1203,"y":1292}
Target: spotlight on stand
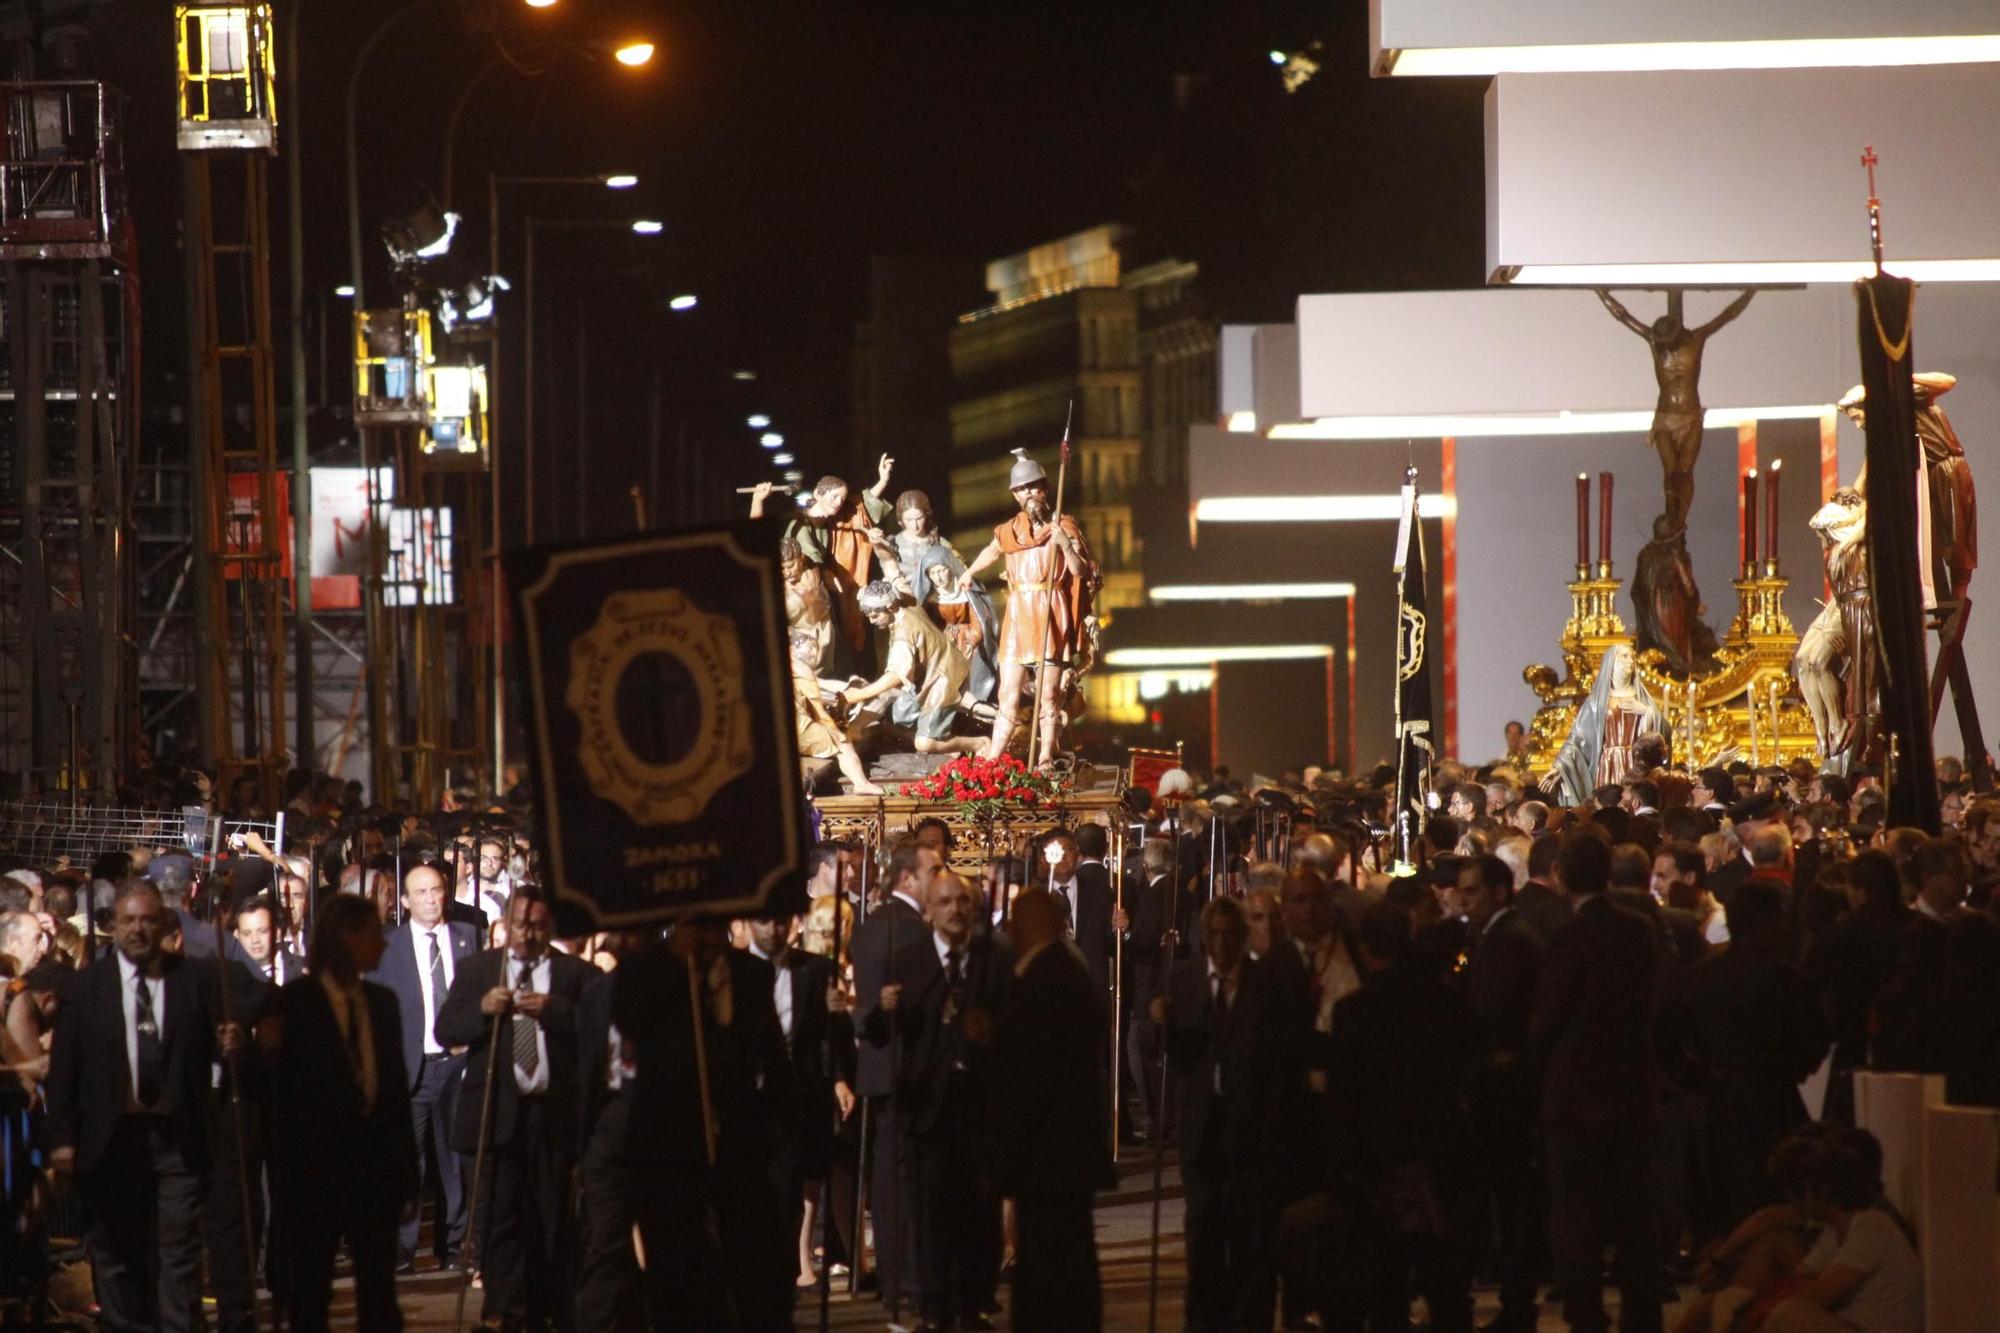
{"x":424,"y":234}
{"x":471,"y":303}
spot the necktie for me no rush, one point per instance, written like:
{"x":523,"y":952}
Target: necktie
{"x":526,"y":1057}
{"x":437,"y":978}
{"x":151,"y":1060}
{"x":954,"y":967}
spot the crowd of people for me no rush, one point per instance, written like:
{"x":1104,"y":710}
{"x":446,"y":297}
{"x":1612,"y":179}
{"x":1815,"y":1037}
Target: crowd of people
{"x":1572,"y":1033}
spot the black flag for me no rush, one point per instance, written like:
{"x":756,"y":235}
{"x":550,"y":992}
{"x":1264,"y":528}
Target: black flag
{"x":1415,"y":745}
{"x":1895,"y":581}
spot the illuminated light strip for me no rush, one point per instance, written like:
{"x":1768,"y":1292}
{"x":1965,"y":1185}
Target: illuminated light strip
{"x":1539,"y":423}
{"x":1176,"y":657}
{"x":1242,"y":423}
{"x":1740,"y":273}
{"x":1316,"y":508}
{"x":1249,"y":592}
{"x":1628,"y":57}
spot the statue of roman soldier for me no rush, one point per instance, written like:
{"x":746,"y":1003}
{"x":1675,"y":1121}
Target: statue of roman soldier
{"x":1051,"y":580}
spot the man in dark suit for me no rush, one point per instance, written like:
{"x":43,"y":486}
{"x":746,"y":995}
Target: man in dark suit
{"x":1222,"y":1037}
{"x":128,"y":1086}
{"x":517,"y":1008}
{"x":1750,"y":1023}
{"x":1398,"y":1055}
{"x":1500,"y":1086}
{"x":891,"y":924}
{"x":717,"y":1238}
{"x":607,"y":1277}
{"x":1156,"y":922}
{"x":1082,"y":887}
{"x":257,"y":931}
{"x":800,"y":993}
{"x":420,"y":963}
{"x":1593,"y":1033}
{"x":1541,"y":904}
{"x":947,"y":985}
{"x":345,"y":1159}
{"x":1053,"y":1156}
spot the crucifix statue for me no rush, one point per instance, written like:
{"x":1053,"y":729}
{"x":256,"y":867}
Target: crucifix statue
{"x":1665,"y":599}
{"x":1676,"y":430}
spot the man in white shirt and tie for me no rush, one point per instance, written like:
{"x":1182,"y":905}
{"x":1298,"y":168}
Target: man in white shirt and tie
{"x":421,"y":960}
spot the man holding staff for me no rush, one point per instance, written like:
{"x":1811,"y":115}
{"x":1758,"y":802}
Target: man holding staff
{"x":1050,"y":579}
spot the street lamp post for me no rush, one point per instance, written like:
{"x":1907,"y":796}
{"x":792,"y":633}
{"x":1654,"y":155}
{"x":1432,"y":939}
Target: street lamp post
{"x":493,"y":184}
{"x":640,"y":227}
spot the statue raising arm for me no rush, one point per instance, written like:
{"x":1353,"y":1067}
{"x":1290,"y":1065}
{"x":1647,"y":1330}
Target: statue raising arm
{"x":1729,"y":312}
{"x":1622,"y":315}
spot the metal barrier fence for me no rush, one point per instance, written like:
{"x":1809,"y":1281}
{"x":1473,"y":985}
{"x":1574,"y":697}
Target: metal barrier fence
{"x":51,"y":833}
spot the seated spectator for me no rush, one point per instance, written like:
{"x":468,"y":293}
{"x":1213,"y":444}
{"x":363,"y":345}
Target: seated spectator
{"x":1755,"y":1266}
{"x":1863,"y":1271}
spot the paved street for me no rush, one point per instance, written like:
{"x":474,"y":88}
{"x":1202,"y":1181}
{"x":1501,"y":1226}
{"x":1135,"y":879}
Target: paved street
{"x":1123,"y":1232}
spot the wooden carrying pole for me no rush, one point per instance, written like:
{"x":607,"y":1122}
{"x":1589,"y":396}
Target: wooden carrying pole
{"x":1055,"y":590}
{"x":468,"y":1252}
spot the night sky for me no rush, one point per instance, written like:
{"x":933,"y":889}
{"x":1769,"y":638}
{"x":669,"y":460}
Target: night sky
{"x":784,"y":143}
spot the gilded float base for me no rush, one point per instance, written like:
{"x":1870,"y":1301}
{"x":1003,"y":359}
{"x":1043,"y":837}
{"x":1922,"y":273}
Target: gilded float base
{"x":1747,"y":707}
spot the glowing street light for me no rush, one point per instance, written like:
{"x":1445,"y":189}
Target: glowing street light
{"x":781,"y":460}
{"x":757,"y":422}
{"x":345,"y":291}
{"x":634,"y":54}
{"x":745,"y":375}
{"x":621,"y":180}
{"x":770,"y":439}
{"x":541,"y":4}
{"x":648,"y":226}
{"x":684,"y":301}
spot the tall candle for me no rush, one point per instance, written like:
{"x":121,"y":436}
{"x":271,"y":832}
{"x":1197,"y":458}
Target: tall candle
{"x":1771,"y":511}
{"x":1750,"y":516}
{"x":1604,"y":517}
{"x":1582,"y":519}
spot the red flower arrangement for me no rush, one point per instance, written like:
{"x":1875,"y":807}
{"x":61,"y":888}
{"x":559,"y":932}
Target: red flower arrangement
{"x":987,"y":789}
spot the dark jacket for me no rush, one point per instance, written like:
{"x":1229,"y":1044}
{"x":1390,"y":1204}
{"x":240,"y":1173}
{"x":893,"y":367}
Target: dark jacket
{"x":1501,"y":978}
{"x":593,"y":1056}
{"x":90,"y":1079}
{"x":894,"y":922}
{"x":324,"y":1138}
{"x":1052,"y":1121}
{"x":1093,"y":922}
{"x":1593,"y":1023}
{"x":1241,"y":1124}
{"x":1151,"y":917}
{"x":1542,"y":908}
{"x":817,"y":1060}
{"x":942,"y":1040}
{"x":1400,"y":1046}
{"x":398,"y":971}
{"x":751,"y":1085}
{"x":460,"y":1023}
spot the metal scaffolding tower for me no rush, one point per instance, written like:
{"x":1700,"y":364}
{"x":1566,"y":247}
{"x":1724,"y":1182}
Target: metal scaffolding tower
{"x":242,"y":570}
{"x":68,"y":430}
